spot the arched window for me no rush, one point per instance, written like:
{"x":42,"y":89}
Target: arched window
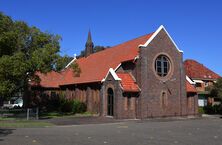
{"x":163,"y":99}
{"x":162,"y":65}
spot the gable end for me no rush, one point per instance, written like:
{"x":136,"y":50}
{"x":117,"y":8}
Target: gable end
{"x":155,"y":34}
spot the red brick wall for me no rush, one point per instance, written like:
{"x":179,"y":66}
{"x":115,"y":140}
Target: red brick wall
{"x":124,"y":104}
{"x":192,"y":104}
{"x":87,"y":93}
{"x":152,"y":86}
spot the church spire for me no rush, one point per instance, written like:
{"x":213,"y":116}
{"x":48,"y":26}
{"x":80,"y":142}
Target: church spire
{"x":89,"y":45}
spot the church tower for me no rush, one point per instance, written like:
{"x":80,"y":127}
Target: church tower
{"x":89,"y":45}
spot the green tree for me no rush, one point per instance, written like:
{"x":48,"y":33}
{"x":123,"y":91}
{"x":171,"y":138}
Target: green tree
{"x":82,"y":54}
{"x":76,"y":69}
{"x":95,"y":50}
{"x":98,"y":48}
{"x":62,"y":62}
{"x":216,"y":89}
{"x":23,"y":51}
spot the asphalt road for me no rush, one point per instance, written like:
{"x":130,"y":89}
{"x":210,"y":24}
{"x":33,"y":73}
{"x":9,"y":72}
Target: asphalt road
{"x":155,"y":132}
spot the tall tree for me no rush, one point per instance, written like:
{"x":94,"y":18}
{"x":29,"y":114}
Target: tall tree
{"x":98,"y":48}
{"x":95,"y":50}
{"x":216,"y":89}
{"x":23,"y":51}
{"x":62,"y":62}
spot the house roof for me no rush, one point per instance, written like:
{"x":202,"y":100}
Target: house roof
{"x":95,"y":67}
{"x":128,"y":83}
{"x":197,"y":70}
{"x":190,"y":88}
{"x":48,"y":80}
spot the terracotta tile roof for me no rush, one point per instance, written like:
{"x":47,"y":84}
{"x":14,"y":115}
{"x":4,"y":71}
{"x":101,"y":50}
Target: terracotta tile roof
{"x":49,"y":80}
{"x":128,"y":83}
{"x":190,"y":88}
{"x":196,"y":70}
{"x":95,"y":67}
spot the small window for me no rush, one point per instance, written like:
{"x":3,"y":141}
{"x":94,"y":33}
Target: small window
{"x":163,"y":99}
{"x":198,"y":84}
{"x":162,"y":65}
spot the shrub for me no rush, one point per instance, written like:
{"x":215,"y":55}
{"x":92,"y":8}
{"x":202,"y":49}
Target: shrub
{"x":201,"y":110}
{"x":66,"y":106}
{"x":59,"y":103}
{"x":83,"y":108}
{"x":218,"y":108}
{"x":73,"y":106}
{"x":215,"y":109}
{"x":79,"y":107}
{"x":53,"y":103}
{"x":208,"y":109}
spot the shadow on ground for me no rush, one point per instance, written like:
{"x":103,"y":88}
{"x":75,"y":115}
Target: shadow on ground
{"x":5,"y":132}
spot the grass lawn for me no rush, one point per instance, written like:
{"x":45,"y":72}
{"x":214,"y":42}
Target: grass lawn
{"x":13,"y":122}
{"x":59,"y":114}
{"x":7,"y":118}
{"x":22,"y":123}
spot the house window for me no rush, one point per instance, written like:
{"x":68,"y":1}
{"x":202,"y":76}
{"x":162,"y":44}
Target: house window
{"x":162,"y":65}
{"x":198,"y":84}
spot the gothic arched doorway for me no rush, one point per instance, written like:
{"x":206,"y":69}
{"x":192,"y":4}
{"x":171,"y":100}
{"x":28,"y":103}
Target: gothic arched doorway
{"x":110,"y":99}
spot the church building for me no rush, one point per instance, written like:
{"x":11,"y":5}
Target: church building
{"x":140,"y":78}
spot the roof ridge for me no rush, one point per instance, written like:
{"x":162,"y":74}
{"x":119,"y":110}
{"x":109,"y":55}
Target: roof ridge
{"x":108,"y":49}
{"x":133,"y":39}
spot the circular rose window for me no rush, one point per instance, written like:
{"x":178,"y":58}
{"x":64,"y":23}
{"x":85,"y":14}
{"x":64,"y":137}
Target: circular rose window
{"x":162,"y":65}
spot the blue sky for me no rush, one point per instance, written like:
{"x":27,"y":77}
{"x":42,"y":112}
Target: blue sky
{"x":195,"y":25}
